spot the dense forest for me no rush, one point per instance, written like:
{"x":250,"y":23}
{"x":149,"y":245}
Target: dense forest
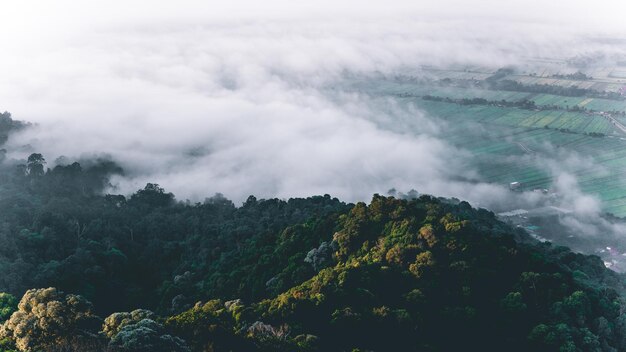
{"x":83,"y":270}
{"x":7,"y":126}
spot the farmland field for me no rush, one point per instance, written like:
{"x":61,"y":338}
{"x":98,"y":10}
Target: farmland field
{"x":512,"y":143}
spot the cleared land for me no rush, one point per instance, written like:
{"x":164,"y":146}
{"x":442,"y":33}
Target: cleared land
{"x":511,"y":142}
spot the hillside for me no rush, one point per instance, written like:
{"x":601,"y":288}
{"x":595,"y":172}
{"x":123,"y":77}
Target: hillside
{"x":313,"y":274}
{"x":427,"y":275}
{"x":313,"y":176}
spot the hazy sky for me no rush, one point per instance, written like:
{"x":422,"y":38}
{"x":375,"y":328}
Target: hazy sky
{"x":206,"y":97}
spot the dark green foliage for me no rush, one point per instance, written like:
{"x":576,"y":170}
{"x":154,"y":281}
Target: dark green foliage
{"x":115,"y":322}
{"x":426,"y":275}
{"x":573,"y":91}
{"x":7,"y":126}
{"x":35,"y":164}
{"x":149,"y":251}
{"x":47,"y":318}
{"x":522,"y":104}
{"x":310,"y":274}
{"x":8,"y":305}
{"x":578,"y":76}
{"x":212,"y":326}
{"x":146,"y":336}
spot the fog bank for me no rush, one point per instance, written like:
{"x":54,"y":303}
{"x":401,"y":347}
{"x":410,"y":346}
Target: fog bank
{"x":238,"y":98}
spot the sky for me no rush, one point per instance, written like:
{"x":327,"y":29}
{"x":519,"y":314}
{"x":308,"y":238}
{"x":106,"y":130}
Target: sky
{"x":233,"y":97}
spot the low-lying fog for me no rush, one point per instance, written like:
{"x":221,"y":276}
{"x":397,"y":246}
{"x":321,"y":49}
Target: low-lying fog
{"x":238,"y":99}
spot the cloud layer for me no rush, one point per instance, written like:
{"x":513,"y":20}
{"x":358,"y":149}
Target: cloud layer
{"x":239,"y":98}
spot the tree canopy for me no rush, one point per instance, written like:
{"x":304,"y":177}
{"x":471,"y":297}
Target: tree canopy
{"x":304,"y":274}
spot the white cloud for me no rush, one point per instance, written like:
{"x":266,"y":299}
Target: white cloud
{"x":233,"y":97}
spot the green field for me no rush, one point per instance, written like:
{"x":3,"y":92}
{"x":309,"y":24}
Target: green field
{"x":511,"y":141}
{"x":394,"y":88}
{"x":510,"y":127}
{"x":578,"y":122}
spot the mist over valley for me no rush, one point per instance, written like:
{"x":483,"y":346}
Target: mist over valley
{"x":313,"y":177}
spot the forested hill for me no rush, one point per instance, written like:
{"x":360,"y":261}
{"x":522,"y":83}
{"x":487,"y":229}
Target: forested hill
{"x":147,"y":250}
{"x":311,"y":274}
{"x":8,"y":126}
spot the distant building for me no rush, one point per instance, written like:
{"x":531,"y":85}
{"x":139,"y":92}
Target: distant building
{"x":515,"y":186}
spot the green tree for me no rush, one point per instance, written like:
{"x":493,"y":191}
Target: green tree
{"x":8,"y":305}
{"x":35,"y":164}
{"x":146,"y":336}
{"x":116,"y":321}
{"x":48,"y":318}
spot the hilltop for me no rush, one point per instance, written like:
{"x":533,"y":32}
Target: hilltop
{"x":314,"y":274}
